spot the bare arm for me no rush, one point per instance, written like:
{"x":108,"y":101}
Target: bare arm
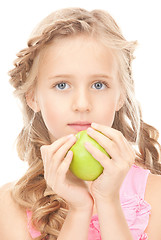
{"x":13,"y":223}
{"x":153,"y":197}
{"x":112,"y":221}
{"x":69,"y":187}
{"x":106,"y":187}
{"x":76,"y":225}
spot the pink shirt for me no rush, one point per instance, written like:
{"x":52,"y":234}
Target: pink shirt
{"x":135,"y":209}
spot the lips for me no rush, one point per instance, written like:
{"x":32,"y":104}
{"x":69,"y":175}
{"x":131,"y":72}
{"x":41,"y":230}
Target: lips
{"x":80,"y":126}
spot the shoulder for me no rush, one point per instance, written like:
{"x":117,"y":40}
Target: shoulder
{"x":153,"y":197}
{"x":153,"y":188}
{"x":13,"y":222}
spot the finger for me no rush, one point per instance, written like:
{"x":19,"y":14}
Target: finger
{"x":107,"y":163}
{"x":58,"y":143}
{"x":47,"y":151}
{"x":59,"y":156}
{"x":62,"y":151}
{"x":117,"y":153}
{"x":64,"y":166}
{"x":102,"y":158}
{"x":111,"y":133}
{"x":109,"y":146}
{"x":116,"y":141}
{"x":52,"y":176}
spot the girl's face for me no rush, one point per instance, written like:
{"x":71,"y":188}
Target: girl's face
{"x":77,"y":82}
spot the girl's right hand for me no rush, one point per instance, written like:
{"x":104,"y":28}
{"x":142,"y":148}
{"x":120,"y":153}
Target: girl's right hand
{"x":60,"y":178}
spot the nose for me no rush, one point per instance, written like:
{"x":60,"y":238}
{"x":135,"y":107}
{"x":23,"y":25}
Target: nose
{"x":82,"y":101}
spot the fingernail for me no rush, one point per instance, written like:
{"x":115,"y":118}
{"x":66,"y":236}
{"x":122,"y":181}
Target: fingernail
{"x":70,"y":136}
{"x":70,"y":154}
{"x":73,"y":137}
{"x":87,"y":144}
{"x":90,"y":130}
{"x":94,"y":125}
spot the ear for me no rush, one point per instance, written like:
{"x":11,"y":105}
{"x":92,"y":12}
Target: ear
{"x":120,"y":102}
{"x":31,"y":101}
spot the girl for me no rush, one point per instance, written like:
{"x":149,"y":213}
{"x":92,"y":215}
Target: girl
{"x":76,"y":74}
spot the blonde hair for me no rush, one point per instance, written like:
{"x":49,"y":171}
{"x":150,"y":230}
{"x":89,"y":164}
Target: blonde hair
{"x":50,"y":210}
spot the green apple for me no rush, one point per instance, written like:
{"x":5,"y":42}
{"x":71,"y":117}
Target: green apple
{"x":83,"y":164}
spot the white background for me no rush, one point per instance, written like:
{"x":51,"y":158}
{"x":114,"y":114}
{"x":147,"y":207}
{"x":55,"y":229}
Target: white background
{"x":139,"y":20}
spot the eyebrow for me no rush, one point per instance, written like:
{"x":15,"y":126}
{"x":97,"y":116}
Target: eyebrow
{"x":72,"y":76}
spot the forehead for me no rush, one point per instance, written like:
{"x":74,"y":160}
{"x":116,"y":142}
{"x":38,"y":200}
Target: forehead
{"x":83,"y":52}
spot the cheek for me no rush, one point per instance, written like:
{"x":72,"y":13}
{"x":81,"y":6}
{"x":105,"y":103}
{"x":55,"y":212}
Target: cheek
{"x":106,"y":110}
{"x":53,"y":118}
{"x":109,"y":115}
{"x":52,"y":113}
{"x":55,"y":113}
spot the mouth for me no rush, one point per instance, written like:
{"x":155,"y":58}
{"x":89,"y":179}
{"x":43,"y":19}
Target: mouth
{"x":79,"y":126}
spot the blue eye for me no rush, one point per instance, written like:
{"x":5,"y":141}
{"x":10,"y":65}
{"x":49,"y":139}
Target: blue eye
{"x":99,"y":85}
{"x":61,"y":85}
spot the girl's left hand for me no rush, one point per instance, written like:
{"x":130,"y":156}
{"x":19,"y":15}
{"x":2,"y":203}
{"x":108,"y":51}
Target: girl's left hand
{"x":108,"y":184}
